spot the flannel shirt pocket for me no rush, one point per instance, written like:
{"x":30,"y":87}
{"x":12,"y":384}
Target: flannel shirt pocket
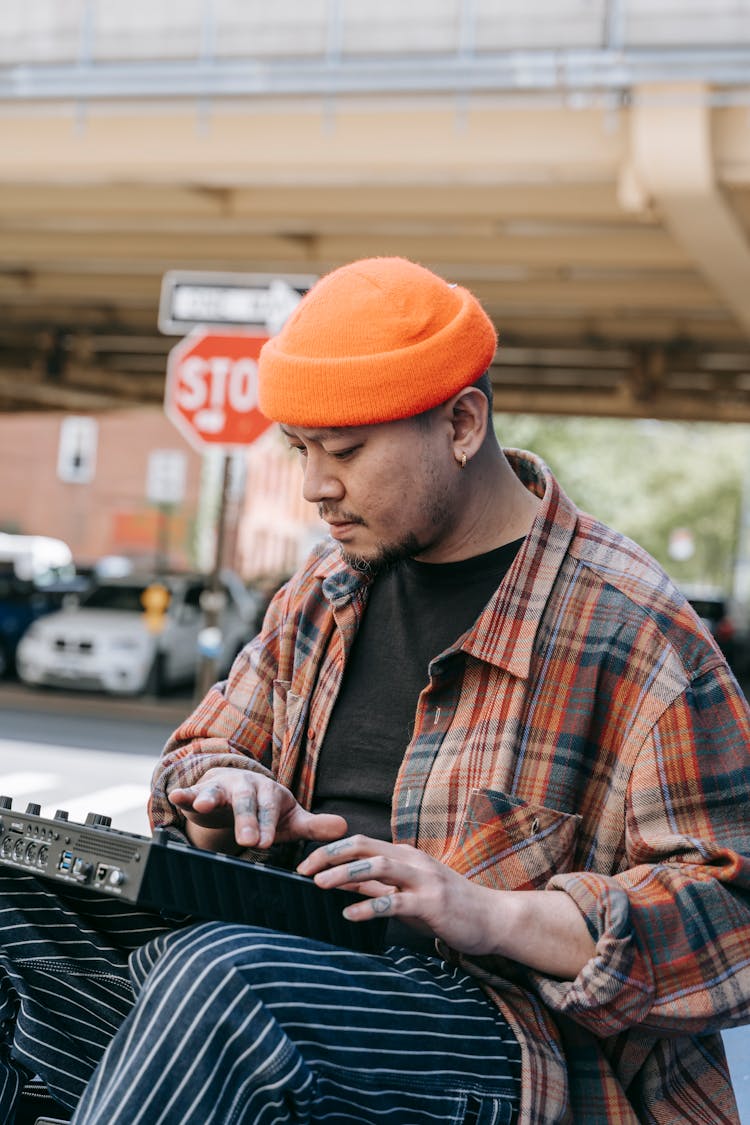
{"x":513,"y":846}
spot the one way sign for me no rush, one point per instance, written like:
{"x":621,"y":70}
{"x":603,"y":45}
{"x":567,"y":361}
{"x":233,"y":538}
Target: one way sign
{"x":255,"y":302}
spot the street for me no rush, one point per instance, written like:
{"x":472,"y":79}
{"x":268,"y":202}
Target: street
{"x":87,"y":754}
{"x":91,"y":754}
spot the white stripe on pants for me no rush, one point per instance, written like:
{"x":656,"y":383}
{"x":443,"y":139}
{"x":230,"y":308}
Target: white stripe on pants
{"x":237,"y":1024}
{"x":64,"y":982}
{"x":234,"y":1024}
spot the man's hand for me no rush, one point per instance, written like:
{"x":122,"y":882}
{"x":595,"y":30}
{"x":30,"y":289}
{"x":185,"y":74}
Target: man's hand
{"x":231,"y":809}
{"x":542,"y":929}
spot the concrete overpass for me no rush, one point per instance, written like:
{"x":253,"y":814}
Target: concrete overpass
{"x":582,"y":165}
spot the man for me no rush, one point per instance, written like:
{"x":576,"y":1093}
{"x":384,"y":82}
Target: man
{"x":496,"y":719}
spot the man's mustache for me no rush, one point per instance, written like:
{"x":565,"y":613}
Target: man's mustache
{"x":332,"y":516}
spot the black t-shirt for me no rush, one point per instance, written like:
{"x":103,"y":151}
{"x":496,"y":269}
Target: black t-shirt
{"x":415,"y":611}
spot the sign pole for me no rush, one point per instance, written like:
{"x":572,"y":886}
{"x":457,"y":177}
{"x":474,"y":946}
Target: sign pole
{"x":165,"y":488}
{"x":162,"y":538}
{"x":213,"y":598}
{"x":210,"y":393}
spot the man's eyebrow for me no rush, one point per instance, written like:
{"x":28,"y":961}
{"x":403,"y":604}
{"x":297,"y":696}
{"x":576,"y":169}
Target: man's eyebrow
{"x":322,"y":433}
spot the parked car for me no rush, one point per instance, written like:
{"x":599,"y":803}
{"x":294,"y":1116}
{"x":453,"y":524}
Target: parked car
{"x":36,"y":556}
{"x":36,"y":573}
{"x":135,"y":634}
{"x":20,"y":604}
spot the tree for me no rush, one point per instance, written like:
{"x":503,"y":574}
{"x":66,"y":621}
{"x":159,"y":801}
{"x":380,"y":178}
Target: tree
{"x":649,"y":478}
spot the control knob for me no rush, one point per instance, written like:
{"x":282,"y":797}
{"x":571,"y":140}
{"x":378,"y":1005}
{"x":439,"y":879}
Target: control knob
{"x":82,"y":869}
{"x":98,"y":820}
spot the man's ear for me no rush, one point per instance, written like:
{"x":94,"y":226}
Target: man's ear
{"x":469,"y":416}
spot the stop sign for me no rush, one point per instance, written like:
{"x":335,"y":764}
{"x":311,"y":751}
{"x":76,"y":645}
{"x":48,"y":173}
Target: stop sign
{"x":211,"y":392}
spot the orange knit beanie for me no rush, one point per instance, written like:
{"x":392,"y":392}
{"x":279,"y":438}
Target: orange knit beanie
{"x":373,"y":341}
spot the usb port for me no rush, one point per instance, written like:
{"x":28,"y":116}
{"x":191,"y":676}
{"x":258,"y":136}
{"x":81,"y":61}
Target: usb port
{"x":66,"y":861}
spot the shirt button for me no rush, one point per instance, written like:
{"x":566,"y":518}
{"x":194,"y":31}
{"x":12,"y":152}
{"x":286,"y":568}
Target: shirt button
{"x":311,"y":735}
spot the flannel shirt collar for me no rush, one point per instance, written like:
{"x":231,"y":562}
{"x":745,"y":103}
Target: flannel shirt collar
{"x":340,"y":582}
{"x":505,"y":631}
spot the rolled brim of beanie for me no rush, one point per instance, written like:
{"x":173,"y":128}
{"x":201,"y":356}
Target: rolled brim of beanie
{"x":357,"y":390}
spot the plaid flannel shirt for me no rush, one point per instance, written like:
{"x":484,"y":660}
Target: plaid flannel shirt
{"x":584,"y":737}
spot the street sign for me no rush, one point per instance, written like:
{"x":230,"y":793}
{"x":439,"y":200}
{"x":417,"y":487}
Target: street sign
{"x":76,"y":452}
{"x":255,"y":302}
{"x":165,"y":476}
{"x":211,"y":392}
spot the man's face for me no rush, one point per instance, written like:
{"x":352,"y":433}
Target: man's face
{"x":384,"y":490}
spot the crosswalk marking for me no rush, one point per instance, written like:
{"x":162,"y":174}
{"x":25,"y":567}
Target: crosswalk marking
{"x":27,"y":784}
{"x":112,"y":801}
{"x":78,"y":780}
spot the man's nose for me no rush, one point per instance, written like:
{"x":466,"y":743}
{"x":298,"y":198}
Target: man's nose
{"x":320,"y":482}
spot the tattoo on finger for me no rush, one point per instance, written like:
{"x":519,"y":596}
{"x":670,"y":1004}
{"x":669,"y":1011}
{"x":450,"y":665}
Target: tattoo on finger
{"x":382,"y":905}
{"x":338,"y":846}
{"x":361,"y":867}
{"x":246,"y":806}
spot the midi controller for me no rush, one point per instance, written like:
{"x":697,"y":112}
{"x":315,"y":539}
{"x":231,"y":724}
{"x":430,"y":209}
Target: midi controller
{"x":170,"y":876}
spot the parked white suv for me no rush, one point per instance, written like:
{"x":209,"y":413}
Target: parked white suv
{"x":117,"y":640}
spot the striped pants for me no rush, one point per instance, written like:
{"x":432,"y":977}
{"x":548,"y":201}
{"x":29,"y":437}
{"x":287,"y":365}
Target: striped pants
{"x":137,"y":1021}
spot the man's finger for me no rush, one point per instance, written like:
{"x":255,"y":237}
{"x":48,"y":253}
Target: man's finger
{"x":209,"y":796}
{"x":322,"y":826}
{"x":384,"y":904}
{"x":246,"y":805}
{"x":256,"y":815}
{"x":182,"y":797}
{"x":372,"y":888}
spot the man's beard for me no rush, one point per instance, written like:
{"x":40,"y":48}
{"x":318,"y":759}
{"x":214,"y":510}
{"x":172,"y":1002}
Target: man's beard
{"x":386,"y":556}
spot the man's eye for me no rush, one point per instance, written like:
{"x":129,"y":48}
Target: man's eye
{"x":342,"y":454}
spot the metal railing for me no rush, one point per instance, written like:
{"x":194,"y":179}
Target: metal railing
{"x":221,"y":49}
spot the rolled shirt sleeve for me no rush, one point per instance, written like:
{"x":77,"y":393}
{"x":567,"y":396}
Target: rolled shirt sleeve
{"x":672,"y":930}
{"x":231,"y":727}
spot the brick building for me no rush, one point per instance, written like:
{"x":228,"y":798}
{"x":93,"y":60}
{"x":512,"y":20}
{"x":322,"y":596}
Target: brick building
{"x":267,"y":523}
